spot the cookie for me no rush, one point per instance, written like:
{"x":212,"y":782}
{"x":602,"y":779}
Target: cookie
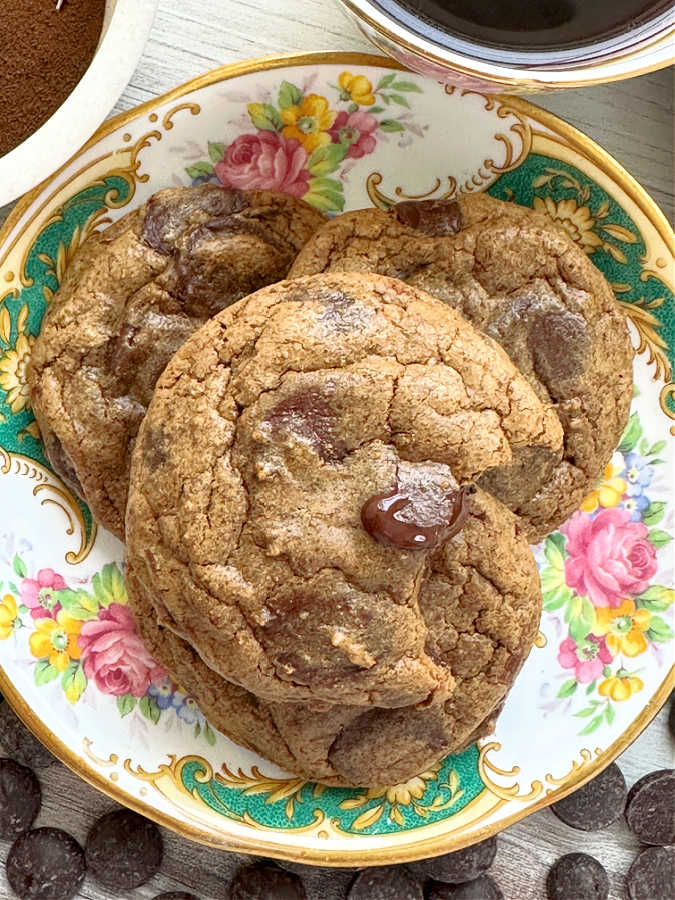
{"x":132,"y":294}
{"x":521,"y":280}
{"x":345,"y":745}
{"x":267,"y":437}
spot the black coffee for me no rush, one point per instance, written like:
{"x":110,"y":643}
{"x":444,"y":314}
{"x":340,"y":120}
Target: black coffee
{"x":530,"y":24}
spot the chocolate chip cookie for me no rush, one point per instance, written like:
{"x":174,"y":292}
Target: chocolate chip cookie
{"x":252,"y":527}
{"x":129,"y":299}
{"x":521,"y":280}
{"x":480,"y":604}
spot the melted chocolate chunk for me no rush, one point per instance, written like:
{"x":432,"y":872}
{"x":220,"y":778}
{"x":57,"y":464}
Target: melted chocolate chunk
{"x":20,"y":798}
{"x":265,"y":881}
{"x":166,"y":220}
{"x":433,"y":217}
{"x":124,"y":850}
{"x":407,"y":520}
{"x":309,"y":416}
{"x":45,"y":864}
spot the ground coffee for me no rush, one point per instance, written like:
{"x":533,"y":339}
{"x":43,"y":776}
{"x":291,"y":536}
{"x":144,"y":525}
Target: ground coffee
{"x":44,"y":52}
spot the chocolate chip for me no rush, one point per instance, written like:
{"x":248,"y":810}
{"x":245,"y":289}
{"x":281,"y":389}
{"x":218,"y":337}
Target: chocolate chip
{"x":432,"y":217}
{"x":595,"y":805}
{"x":176,"y":895}
{"x":264,"y":881}
{"x":322,"y":882}
{"x":45,"y":864}
{"x":20,"y":798}
{"x":308,"y":415}
{"x":124,"y":850}
{"x":652,"y":875}
{"x":411,"y":520}
{"x":481,"y":888}
{"x":650,"y":808}
{"x":577,"y":876}
{"x":387,"y":883}
{"x":19,"y":743}
{"x":170,"y":213}
{"x":462,"y":865}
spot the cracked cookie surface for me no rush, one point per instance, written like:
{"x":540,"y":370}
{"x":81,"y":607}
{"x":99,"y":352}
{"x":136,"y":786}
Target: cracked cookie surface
{"x":521,"y":280}
{"x":267,"y":433}
{"x":480,"y":603}
{"x":129,"y":299}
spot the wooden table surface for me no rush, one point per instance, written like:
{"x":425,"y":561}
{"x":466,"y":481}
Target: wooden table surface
{"x":633,"y":121}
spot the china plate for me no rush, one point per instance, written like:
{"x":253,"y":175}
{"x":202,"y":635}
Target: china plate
{"x":343,"y":131}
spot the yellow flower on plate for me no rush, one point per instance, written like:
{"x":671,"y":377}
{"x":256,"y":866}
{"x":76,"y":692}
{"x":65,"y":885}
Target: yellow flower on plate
{"x":357,"y":88}
{"x":576,"y":220}
{"x":8,"y":614}
{"x":13,"y":372}
{"x":620,"y":687}
{"x":309,"y":122}
{"x":608,"y":493}
{"x":407,"y":791}
{"x":624,"y":627}
{"x":56,"y":640}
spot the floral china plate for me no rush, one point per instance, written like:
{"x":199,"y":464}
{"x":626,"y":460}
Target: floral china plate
{"x":342,"y":131}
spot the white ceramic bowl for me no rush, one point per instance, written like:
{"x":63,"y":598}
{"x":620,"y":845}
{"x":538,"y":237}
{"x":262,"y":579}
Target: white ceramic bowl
{"x":126,"y":27}
{"x":472,"y":67}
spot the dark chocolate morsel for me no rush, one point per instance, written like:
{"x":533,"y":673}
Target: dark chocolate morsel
{"x":265,"y":881}
{"x":650,"y":808}
{"x":433,"y":217}
{"x":387,"y":883}
{"x":18,"y":742}
{"x":462,"y":865}
{"x":385,"y":518}
{"x":20,"y":799}
{"x":577,"y":876}
{"x":322,"y":882}
{"x":595,"y":805}
{"x":176,"y":895}
{"x":482,"y":888}
{"x":123,"y":849}
{"x":45,"y":864}
{"x":652,"y":874}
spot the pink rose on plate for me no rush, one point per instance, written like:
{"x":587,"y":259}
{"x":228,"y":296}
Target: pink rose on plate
{"x":38,"y":594}
{"x":265,"y":161}
{"x":587,"y":660}
{"x":356,"y":129}
{"x":609,"y":556}
{"x":114,"y":655}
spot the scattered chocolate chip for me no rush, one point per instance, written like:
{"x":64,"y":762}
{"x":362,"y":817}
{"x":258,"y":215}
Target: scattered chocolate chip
{"x":45,"y":864}
{"x":123,"y":849}
{"x":265,"y":881}
{"x":20,"y":798}
{"x":462,"y":865}
{"x":577,"y":876}
{"x":650,"y":808}
{"x":652,"y":875}
{"x":409,"y":521}
{"x":432,"y":217}
{"x":387,"y":883}
{"x":176,"y":895}
{"x":19,"y":743}
{"x":595,"y":805}
{"x":481,"y":888}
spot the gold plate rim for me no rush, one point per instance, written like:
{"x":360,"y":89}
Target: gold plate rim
{"x":415,"y":849}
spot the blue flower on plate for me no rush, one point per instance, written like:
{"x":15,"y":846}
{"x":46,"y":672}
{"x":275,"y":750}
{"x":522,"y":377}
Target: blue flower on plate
{"x":163,"y":693}
{"x":187,"y":709}
{"x":636,"y":506}
{"x":638,"y":474}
